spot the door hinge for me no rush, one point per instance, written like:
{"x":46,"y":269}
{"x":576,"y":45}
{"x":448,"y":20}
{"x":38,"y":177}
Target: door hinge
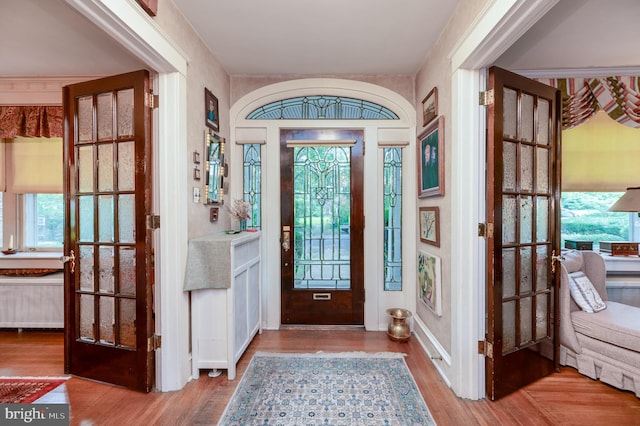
{"x":485,"y":230}
{"x":153,"y":221}
{"x":154,"y":343}
{"x":151,"y":101}
{"x":485,"y":348}
{"x":486,"y":97}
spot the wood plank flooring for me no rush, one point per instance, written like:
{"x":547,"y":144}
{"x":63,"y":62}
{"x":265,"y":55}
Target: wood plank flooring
{"x":565,"y":398}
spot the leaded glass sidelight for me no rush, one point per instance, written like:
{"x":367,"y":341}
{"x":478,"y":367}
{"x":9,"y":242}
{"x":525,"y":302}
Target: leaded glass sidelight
{"x":252,"y":183}
{"x":392,"y":218}
{"x":322,"y":228}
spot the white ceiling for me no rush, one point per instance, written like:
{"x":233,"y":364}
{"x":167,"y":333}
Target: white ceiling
{"x":580,"y":34}
{"x":313,"y":37}
{"x":308,"y":37}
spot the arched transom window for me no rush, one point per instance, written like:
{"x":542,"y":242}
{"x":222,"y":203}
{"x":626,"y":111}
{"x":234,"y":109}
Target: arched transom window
{"x":322,"y":107}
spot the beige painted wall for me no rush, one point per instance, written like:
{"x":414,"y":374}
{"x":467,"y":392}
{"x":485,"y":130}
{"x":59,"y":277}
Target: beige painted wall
{"x":401,"y":84}
{"x":204,"y":70}
{"x":436,"y":72}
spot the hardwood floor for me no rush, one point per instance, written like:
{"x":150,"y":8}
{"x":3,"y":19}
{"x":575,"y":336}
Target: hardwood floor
{"x":565,"y":398}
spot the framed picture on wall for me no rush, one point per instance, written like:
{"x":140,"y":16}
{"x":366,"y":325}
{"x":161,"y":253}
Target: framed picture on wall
{"x":430,"y":225}
{"x":211,"y":110}
{"x":430,"y":281}
{"x":430,"y":106}
{"x":431,"y":159}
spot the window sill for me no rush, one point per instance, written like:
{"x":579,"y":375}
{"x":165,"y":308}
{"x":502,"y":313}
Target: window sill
{"x":29,"y":259}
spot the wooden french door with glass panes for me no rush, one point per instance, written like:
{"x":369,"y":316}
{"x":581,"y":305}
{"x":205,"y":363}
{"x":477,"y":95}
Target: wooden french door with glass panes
{"x":322,"y":251}
{"x":108,"y":280}
{"x":523,"y":198}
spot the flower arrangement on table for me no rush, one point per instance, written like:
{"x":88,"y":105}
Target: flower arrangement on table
{"x":240,"y":209}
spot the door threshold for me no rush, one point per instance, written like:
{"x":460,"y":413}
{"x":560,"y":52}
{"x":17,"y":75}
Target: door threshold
{"x":321,"y":327}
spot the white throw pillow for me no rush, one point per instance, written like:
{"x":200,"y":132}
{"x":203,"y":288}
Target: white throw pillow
{"x":584,"y":293}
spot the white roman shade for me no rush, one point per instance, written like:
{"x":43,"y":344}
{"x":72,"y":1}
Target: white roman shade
{"x":33,"y":165}
{"x":600,"y":155}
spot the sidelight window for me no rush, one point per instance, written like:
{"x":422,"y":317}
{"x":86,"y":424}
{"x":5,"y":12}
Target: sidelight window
{"x":252,"y":183}
{"x":392,"y":219}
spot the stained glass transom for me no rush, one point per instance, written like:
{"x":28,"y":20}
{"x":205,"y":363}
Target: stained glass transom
{"x":322,"y":107}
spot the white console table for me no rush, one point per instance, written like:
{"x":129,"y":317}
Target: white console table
{"x":223,"y":275}
{"x":623,"y":278}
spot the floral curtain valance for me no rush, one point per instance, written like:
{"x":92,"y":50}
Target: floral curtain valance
{"x":31,"y":121}
{"x":619,"y":97}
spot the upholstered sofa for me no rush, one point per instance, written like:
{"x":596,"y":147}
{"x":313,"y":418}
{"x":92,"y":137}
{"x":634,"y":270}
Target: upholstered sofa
{"x":603,"y":345}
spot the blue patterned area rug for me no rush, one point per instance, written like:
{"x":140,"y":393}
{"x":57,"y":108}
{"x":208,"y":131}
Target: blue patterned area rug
{"x":352,"y":388}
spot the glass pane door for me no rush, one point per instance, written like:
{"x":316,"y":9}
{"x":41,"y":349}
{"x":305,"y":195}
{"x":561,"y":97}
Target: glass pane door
{"x":322,"y":217}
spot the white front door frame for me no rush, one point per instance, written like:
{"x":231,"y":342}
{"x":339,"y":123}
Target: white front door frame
{"x":135,"y":31}
{"x":268,"y":132}
{"x":499,"y":25}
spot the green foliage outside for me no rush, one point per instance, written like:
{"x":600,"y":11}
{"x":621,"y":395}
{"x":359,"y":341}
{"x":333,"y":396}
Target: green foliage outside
{"x":50,"y":209}
{"x":585,"y":217}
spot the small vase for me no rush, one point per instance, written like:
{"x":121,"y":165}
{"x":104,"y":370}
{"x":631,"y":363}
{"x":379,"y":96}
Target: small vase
{"x":243,"y":224}
{"x":399,"y":330}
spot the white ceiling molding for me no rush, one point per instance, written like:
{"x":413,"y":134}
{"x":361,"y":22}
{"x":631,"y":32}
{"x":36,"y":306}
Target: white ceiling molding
{"x":494,"y":27}
{"x":580,"y":72}
{"x":135,"y":31}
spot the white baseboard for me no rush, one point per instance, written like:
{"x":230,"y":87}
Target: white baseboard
{"x":441,"y":352}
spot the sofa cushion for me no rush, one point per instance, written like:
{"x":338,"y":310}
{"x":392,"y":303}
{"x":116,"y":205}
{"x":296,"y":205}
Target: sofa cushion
{"x":572,"y":260}
{"x":618,"y":325}
{"x":584,"y":293}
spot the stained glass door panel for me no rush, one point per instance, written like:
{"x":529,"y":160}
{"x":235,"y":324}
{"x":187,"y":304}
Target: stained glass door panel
{"x":322,"y":227}
{"x":108,"y":283}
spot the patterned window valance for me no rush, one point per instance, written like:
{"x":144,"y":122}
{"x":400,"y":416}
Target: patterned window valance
{"x":322,"y":107}
{"x":31,"y":121}
{"x":619,"y":97}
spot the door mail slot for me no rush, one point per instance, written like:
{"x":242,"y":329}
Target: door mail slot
{"x":321,"y":296}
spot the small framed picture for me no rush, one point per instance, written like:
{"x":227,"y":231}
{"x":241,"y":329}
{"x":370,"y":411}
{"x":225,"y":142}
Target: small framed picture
{"x":211,"y":110}
{"x":430,"y":107}
{"x":430,"y":281}
{"x":430,"y":225}
{"x":196,"y":157}
{"x":431,"y":159}
{"x":196,"y":173}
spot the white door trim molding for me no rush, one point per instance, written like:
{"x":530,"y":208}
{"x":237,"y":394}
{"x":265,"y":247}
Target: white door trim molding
{"x":128,"y":25}
{"x":495,"y":30}
{"x":377,"y":300}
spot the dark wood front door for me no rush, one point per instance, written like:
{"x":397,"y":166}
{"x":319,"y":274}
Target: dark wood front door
{"x":322,"y":226}
{"x":108,"y":280}
{"x":523,"y":176}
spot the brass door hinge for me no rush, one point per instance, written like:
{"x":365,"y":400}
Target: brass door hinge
{"x":151,"y":101}
{"x":153,"y":221}
{"x":154,"y":343}
{"x":485,"y":348}
{"x":485,"y":230}
{"x":486,"y":98}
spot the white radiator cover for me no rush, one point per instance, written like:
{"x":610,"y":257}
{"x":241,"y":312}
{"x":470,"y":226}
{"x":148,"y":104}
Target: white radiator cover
{"x":32,"y":302}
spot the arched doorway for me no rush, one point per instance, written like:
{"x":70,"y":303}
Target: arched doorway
{"x":377,"y":132}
